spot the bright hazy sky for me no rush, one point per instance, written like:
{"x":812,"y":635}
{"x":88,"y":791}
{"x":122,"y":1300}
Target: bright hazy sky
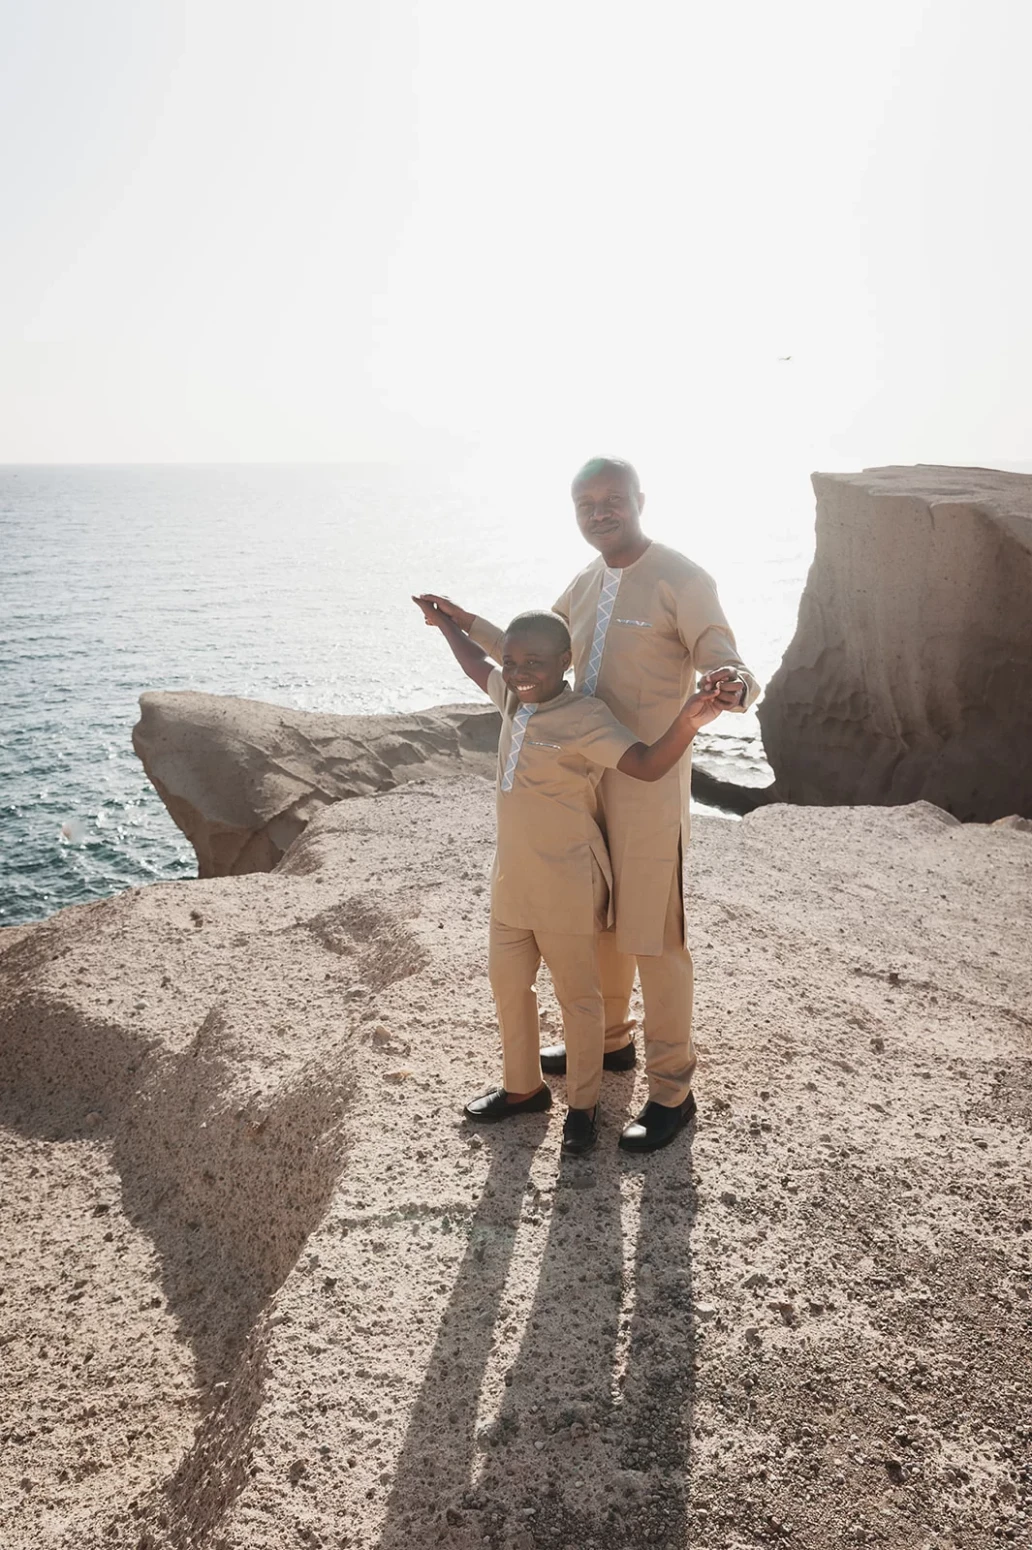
{"x":331,"y":230}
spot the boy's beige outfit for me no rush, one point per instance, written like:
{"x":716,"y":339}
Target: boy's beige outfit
{"x":640,"y":635}
{"x":551,"y":887}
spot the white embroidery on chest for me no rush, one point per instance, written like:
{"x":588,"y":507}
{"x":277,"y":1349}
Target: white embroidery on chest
{"x":519,"y":732}
{"x":606,"y":599}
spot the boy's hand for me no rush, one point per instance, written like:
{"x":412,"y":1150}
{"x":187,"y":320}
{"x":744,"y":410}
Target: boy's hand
{"x":430,"y":614}
{"x":704,"y":707}
{"x":469,"y":656}
{"x":444,"y":605}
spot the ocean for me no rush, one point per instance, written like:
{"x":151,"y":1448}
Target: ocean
{"x":283,"y":583}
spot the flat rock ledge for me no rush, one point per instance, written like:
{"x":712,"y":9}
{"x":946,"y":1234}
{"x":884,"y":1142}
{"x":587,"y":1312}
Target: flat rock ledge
{"x":242,"y":778}
{"x":908,"y":676}
{"x":262,"y":1287}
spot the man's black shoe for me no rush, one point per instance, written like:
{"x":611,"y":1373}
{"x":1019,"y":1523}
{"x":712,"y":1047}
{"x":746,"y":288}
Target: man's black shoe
{"x":657,"y":1125}
{"x":580,"y":1131}
{"x":553,"y":1059}
{"x":494,"y":1105}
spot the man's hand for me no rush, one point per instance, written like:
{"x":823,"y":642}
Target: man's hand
{"x":430,"y":603}
{"x":731,"y":690}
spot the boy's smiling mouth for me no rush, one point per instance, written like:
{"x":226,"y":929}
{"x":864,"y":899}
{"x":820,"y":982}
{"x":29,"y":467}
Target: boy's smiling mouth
{"x":530,"y":690}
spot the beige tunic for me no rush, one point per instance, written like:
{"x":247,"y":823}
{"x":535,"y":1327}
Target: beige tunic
{"x":550,"y":846}
{"x":665,"y":625}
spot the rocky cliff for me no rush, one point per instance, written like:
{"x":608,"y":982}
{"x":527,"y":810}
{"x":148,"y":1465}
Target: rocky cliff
{"x":909,"y":674}
{"x":261,"y":1287}
{"x":242,"y":778}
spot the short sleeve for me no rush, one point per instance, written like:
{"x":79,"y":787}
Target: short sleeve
{"x":561,"y":606}
{"x":600,"y":737}
{"x":496,"y":689}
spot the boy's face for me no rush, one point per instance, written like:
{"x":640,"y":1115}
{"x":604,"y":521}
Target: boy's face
{"x":532,"y":666}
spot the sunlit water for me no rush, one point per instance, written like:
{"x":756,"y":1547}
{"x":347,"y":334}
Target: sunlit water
{"x":288,"y":584}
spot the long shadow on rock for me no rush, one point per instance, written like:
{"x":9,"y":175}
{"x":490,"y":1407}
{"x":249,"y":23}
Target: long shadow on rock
{"x":433,"y":1490}
{"x":655,"y":1421}
{"x":608,"y":1361}
{"x":227,"y":1192}
{"x":547,"y":1462}
{"x":588,"y":1440}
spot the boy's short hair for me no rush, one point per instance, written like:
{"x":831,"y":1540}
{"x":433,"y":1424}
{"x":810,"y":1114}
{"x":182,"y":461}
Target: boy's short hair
{"x":542,"y":619}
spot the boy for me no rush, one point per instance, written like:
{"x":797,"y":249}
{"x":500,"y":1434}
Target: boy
{"x":551,"y":885}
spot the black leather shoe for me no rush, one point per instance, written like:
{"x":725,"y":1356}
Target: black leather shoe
{"x":494,"y":1105}
{"x":553,"y":1059}
{"x":580,"y":1131}
{"x":657,"y":1125}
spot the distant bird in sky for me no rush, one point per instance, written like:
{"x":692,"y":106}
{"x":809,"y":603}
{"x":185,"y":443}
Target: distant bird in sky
{"x":784,"y":357}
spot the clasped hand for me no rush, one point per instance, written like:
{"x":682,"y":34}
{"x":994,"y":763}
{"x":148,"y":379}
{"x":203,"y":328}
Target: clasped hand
{"x":731,"y":690}
{"x":435,"y":606}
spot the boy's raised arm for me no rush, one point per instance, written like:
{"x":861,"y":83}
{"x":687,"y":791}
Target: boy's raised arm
{"x":651,"y":761}
{"x":469,"y":657}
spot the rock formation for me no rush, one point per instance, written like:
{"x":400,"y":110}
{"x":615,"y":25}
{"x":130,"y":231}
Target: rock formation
{"x":909,"y":675}
{"x":242,"y":778}
{"x":262,"y":1287}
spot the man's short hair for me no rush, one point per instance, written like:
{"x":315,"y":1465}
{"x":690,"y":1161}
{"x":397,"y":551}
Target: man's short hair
{"x":609,"y":465}
{"x":548,"y":623}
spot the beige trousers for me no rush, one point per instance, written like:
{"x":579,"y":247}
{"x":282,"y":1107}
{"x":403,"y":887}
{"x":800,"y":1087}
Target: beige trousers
{"x":667,"y":985}
{"x":514,"y":957}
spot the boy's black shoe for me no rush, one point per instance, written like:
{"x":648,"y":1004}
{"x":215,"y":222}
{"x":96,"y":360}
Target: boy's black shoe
{"x":657,"y":1125}
{"x":553,"y":1059}
{"x":494,"y":1105}
{"x":580,"y":1131}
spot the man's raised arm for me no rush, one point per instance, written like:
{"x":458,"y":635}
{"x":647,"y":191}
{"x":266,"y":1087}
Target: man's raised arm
{"x":487,"y":636}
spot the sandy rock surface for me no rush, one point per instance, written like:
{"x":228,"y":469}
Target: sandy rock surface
{"x":261,"y":1287}
{"x":242,"y":778}
{"x":908,"y":674}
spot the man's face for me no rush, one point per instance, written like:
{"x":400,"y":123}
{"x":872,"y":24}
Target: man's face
{"x":532,"y":667}
{"x":608,"y":510}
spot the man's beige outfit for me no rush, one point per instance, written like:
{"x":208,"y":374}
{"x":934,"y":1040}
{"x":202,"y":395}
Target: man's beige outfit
{"x":640,"y":635}
{"x":551,"y":886}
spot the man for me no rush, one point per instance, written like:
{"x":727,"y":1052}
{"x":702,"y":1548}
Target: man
{"x":644,"y":621}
